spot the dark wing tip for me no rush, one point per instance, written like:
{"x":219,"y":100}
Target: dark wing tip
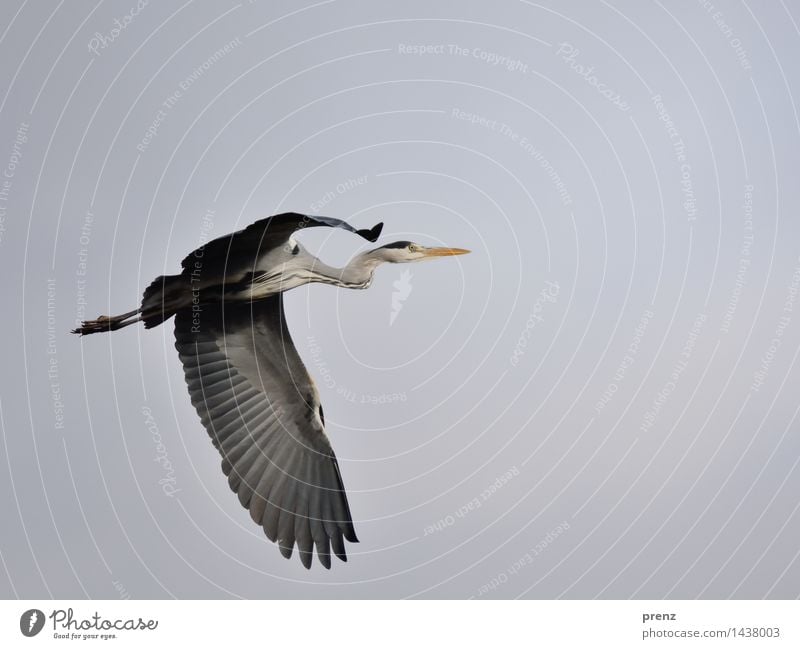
{"x":324,"y":559}
{"x":306,"y":558}
{"x":286,"y":550}
{"x":371,"y":234}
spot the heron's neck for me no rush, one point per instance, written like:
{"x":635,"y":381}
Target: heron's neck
{"x":358,"y":272}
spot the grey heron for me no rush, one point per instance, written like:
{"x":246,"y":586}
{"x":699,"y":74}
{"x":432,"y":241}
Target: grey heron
{"x":246,"y":379}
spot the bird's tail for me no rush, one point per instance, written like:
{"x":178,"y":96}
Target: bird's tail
{"x":161,"y":300}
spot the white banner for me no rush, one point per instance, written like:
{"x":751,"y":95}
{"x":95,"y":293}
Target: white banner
{"x":378,"y":624}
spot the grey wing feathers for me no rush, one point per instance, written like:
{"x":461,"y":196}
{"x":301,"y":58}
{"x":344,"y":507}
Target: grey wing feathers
{"x":265,"y":234}
{"x":262,"y":411}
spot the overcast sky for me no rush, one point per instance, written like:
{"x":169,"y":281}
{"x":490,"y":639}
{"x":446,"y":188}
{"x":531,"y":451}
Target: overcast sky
{"x":600,"y":401}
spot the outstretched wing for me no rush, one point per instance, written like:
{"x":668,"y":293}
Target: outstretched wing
{"x":244,"y":247}
{"x":262,"y":411}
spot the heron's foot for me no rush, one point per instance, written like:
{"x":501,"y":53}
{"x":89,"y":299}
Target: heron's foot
{"x":106,"y":323}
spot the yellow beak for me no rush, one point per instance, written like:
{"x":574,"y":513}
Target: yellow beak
{"x":445,"y":252}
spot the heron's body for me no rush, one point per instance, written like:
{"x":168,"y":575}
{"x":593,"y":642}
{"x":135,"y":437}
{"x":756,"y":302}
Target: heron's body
{"x":246,"y":379}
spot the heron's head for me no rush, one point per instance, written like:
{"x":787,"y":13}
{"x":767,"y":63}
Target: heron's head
{"x":400,"y":252}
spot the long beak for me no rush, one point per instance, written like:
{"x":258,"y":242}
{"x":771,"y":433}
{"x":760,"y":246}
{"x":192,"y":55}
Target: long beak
{"x":445,"y":252}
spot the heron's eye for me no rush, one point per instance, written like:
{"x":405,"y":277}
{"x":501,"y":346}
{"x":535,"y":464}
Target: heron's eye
{"x":413,"y":247}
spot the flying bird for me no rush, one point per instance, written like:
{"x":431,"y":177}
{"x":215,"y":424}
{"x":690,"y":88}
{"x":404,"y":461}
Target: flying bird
{"x":246,"y":380}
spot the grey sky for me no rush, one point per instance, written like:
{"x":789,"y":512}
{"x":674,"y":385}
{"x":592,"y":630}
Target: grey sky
{"x":598,"y":402}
